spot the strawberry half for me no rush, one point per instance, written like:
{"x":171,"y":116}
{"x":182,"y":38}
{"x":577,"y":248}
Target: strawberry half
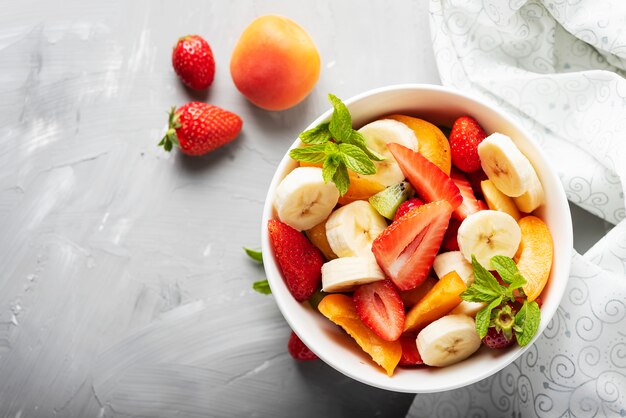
{"x":469,"y":204}
{"x":406,"y":249}
{"x":430,"y":183}
{"x":380,"y":307}
{"x":299,"y":260}
{"x":410,"y":355}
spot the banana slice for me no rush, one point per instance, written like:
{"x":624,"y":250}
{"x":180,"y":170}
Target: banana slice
{"x":505,"y":165}
{"x":487,"y":233}
{"x":454,"y":261}
{"x":351,"y":229}
{"x":302,"y":198}
{"x":468,"y":308}
{"x":448,"y":340}
{"x":343,"y":274}
{"x":377,"y":135}
{"x":532,"y":198}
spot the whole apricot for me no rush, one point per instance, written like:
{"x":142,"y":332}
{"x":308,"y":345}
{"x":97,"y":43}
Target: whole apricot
{"x":275,"y":63}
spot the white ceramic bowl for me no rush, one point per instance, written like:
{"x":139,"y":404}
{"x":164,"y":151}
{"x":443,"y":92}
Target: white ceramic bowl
{"x":441,"y":106}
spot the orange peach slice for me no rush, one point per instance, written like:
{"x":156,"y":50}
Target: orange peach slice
{"x":534,"y":256}
{"x":438,"y":302}
{"x":317,"y":235}
{"x":359,"y":189}
{"x":411,"y":297}
{"x":432,"y":143}
{"x":340,"y":309}
{"x":496,"y":200}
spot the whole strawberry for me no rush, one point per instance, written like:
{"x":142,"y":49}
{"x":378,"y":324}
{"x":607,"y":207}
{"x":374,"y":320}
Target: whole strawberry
{"x":299,"y":260}
{"x":495,"y":339}
{"x":298,"y":349}
{"x":198,"y":128}
{"x":193,"y":61}
{"x":465,"y":136}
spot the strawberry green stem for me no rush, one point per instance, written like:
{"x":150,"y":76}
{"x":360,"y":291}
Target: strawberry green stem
{"x":504,"y":320}
{"x":170,"y":138}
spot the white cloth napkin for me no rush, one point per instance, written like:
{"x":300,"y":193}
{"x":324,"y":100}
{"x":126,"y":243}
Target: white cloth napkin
{"x":558,"y":67}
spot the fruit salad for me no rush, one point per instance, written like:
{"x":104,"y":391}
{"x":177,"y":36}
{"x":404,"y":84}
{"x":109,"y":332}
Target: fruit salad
{"x":422,"y":247}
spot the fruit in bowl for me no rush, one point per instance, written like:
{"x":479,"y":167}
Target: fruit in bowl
{"x":396,"y":290}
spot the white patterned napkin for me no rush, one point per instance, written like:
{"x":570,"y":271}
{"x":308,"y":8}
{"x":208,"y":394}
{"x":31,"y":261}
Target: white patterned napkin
{"x":558,"y":67}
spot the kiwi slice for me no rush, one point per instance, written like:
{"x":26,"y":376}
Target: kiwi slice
{"x":386,"y":202}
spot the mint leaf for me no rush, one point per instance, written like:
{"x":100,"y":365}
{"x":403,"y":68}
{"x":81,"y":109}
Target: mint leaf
{"x":483,"y":317}
{"x":507,"y":269}
{"x":253,"y":254}
{"x":318,"y":135}
{"x":527,"y":322}
{"x":330,"y":168}
{"x":357,"y":139}
{"x":341,"y":179}
{"x":485,"y":287}
{"x":262,"y":286}
{"x":340,"y":121}
{"x":356,"y":160}
{"x":310,"y":154}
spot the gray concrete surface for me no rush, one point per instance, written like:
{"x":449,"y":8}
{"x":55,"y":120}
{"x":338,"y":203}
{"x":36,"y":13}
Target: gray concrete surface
{"x":124,"y":291}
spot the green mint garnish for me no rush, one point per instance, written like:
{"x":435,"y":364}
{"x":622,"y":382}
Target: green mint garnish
{"x":254,"y":254}
{"x":498,"y":312}
{"x":262,"y":286}
{"x":338,"y":147}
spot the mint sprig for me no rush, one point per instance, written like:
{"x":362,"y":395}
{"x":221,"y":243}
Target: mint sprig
{"x":338,"y":147}
{"x":487,"y":289}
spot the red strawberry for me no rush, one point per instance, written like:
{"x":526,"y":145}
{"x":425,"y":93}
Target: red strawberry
{"x":410,"y":355}
{"x":430,"y":183}
{"x":193,"y":61}
{"x":496,"y":339}
{"x":198,"y":128}
{"x":470,"y":204}
{"x":299,"y":260}
{"x":406,"y":206}
{"x":380,"y":307}
{"x":450,"y":242}
{"x":464,"y":138}
{"x":406,"y":249}
{"x":475,"y":178}
{"x":298,"y":350}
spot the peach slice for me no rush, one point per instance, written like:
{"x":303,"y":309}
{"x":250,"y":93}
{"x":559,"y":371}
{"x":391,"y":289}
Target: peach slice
{"x":359,"y":189}
{"x":340,"y":309}
{"x":496,"y":200}
{"x":317,"y":235}
{"x":438,"y":302}
{"x":432,"y":143}
{"x":534,"y":256}
{"x":411,"y":297}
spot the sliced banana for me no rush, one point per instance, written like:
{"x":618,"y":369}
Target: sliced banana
{"x":505,"y":164}
{"x":454,"y":261}
{"x":496,"y":200}
{"x":487,"y":233}
{"x":302,"y":198}
{"x":377,"y":135}
{"x":351,"y":229}
{"x":343,"y":274}
{"x":533,"y":197}
{"x":468,"y":308}
{"x":448,"y":340}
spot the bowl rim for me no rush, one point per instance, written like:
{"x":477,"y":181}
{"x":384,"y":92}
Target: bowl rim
{"x":275,"y":277}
